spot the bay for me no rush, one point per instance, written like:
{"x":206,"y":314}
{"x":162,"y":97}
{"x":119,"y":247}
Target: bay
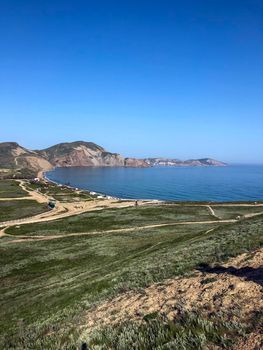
{"x":230,"y":183}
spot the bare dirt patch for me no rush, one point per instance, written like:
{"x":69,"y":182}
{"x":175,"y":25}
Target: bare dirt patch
{"x":235,"y":292}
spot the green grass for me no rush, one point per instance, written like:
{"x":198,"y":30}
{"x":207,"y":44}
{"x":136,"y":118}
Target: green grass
{"x":46,"y":286}
{"x":190,"y":331}
{"x":18,"y":209}
{"x":227,"y":212}
{"x":11,"y":189}
{"x":116,"y":218}
{"x":60,"y":193}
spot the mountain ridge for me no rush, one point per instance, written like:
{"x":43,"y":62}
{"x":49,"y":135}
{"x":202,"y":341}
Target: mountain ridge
{"x":22,"y":162}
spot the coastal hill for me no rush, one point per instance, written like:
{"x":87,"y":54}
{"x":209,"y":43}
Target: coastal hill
{"x":178,"y":162}
{"x":82,"y":153}
{"x":21,"y":162}
{"x":16,"y":160}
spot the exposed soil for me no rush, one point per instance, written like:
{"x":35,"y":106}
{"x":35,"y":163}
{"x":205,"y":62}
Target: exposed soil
{"x":254,"y":341}
{"x":233,"y":289}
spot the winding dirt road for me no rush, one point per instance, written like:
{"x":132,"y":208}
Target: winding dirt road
{"x":128,"y":229}
{"x":63,"y":210}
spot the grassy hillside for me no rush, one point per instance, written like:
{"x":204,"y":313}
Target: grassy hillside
{"x":11,"y":189}
{"x":55,"y":275}
{"x":46,"y":286}
{"x":18,"y":209}
{"x":61,"y":193}
{"x":116,"y":219}
{"x":19,"y":162}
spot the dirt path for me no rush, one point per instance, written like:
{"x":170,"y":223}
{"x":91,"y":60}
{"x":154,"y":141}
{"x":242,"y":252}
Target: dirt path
{"x":63,"y":210}
{"x":38,"y":196}
{"x":27,"y":238}
{"x":251,"y":215}
{"x":69,"y":209}
{"x":211,"y":210}
{"x":15,"y":199}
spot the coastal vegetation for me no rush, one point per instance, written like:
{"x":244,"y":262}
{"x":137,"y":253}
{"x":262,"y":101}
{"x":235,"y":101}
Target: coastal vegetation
{"x":18,"y":209}
{"x":11,"y":189}
{"x":54,"y":274}
{"x":192,"y":331}
{"x":61,"y":193}
{"x":113,"y":219}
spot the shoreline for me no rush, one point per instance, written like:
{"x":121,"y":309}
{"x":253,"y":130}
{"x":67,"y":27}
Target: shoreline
{"x":98,"y":194}
{"x":167,"y":201}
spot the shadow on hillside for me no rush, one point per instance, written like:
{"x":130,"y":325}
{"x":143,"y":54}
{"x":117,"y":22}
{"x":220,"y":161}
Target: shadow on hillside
{"x":249,"y":273}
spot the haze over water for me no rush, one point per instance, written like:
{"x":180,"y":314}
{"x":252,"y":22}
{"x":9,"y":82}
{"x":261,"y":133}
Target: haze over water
{"x":231,"y":183}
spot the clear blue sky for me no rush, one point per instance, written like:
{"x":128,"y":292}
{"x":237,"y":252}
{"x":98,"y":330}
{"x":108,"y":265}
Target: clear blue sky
{"x":143,"y":78}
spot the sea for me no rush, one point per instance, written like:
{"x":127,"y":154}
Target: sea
{"x":219,"y":184}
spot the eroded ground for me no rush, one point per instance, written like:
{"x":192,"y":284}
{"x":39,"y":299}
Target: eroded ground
{"x":233,"y":288}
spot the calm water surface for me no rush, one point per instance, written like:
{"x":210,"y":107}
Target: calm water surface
{"x":231,"y":183}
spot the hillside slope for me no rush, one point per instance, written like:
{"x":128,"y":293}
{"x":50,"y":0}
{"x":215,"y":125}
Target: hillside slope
{"x":20,"y":161}
{"x":81,"y":153}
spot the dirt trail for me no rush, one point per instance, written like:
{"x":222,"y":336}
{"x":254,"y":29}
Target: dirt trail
{"x":63,"y":210}
{"x":235,"y":291}
{"x":251,"y":215}
{"x":27,"y":238}
{"x":38,"y":196}
{"x":15,"y":199}
{"x":211,"y":210}
{"x":68,"y":209}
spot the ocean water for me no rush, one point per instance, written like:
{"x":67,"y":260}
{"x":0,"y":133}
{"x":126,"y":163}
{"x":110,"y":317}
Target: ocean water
{"x":231,"y":183}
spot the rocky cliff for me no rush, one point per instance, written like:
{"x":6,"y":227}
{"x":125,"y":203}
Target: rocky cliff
{"x":82,"y":153}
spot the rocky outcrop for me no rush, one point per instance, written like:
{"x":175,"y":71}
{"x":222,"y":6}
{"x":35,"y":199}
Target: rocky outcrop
{"x":82,"y":153}
{"x":178,"y":162}
{"x":135,"y":163}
